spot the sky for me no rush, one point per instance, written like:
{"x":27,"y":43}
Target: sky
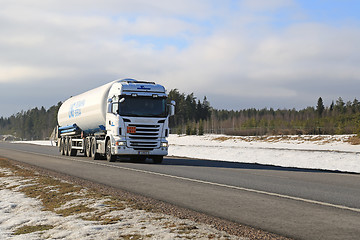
{"x":238,"y":53}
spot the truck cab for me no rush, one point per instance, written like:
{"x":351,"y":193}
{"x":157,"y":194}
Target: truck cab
{"x":137,"y":120}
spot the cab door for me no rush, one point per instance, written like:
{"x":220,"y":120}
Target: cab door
{"x":112,"y":119}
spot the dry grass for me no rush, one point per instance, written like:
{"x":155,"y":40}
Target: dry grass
{"x":319,"y":139}
{"x":4,"y":163}
{"x":135,"y":237}
{"x":56,"y":194}
{"x":78,"y":209}
{"x":53,"y":193}
{"x":354,"y":140}
{"x":222,"y":139}
{"x":185,"y":228}
{"x":31,"y":229}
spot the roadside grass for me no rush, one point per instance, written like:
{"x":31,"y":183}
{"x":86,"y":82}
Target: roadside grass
{"x":320,"y":139}
{"x":135,"y":236}
{"x":354,"y":140}
{"x":31,"y":229}
{"x":64,"y":198}
{"x":134,"y":220}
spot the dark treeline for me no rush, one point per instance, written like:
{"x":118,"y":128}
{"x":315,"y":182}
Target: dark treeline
{"x":338,"y":118}
{"x":190,"y":113}
{"x":194,"y":116}
{"x":33,"y":124}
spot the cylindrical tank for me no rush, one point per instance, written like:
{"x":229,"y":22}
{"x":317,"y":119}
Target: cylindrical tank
{"x":86,"y":110}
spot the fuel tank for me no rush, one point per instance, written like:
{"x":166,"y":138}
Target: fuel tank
{"x":86,"y":110}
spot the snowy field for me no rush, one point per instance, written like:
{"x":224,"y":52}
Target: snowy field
{"x":313,"y":152}
{"x":82,"y":214}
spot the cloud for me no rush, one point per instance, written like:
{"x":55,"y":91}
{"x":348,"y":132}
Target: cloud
{"x":211,"y":49}
{"x":269,"y":5}
{"x":21,"y":73}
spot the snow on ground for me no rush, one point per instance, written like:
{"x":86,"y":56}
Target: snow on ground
{"x":38,"y":142}
{"x":313,"y":152}
{"x":306,"y":151}
{"x":17,"y":211}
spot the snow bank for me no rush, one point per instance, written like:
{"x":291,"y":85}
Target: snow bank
{"x":39,"y":142}
{"x":312,"y":152}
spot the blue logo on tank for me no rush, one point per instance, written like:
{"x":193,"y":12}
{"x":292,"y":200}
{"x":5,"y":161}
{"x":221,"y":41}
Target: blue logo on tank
{"x":143,"y":88}
{"x":75,"y":109}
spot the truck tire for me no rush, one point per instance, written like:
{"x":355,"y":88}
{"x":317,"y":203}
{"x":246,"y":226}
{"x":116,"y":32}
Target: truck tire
{"x":109,"y":156}
{"x":62,"y":146}
{"x":67,"y":146}
{"x":87,"y":151}
{"x":94,"y":154}
{"x":158,"y":159}
{"x":69,"y":150}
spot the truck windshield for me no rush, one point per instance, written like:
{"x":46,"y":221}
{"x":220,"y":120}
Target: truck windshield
{"x":143,"y":107}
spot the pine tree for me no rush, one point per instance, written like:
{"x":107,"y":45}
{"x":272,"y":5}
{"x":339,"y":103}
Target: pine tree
{"x":201,"y":128}
{"x":340,"y":105}
{"x":320,"y":107}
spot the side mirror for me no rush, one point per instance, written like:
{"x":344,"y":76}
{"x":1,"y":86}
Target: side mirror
{"x":172,"y":108}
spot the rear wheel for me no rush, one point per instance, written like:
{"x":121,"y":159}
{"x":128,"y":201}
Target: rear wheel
{"x":68,"y":146}
{"x":93,"y":149}
{"x":70,"y":151}
{"x":109,"y":156}
{"x":62,"y":146}
{"x":87,"y":147}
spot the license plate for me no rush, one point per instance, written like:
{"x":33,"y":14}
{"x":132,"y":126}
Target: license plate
{"x":143,"y":153}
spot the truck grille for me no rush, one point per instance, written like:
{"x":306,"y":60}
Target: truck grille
{"x":145,"y":137}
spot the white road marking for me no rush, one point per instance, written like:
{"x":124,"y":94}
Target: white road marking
{"x":202,"y":181}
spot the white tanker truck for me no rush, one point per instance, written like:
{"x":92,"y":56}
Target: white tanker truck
{"x":122,"y":118}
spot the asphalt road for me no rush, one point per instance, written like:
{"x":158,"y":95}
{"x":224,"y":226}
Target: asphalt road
{"x":297,"y":203}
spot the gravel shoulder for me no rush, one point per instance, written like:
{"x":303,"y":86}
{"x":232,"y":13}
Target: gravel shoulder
{"x":38,"y":203}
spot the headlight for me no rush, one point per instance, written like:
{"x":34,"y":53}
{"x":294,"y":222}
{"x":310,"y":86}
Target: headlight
{"x":121,"y":143}
{"x":164,"y":144}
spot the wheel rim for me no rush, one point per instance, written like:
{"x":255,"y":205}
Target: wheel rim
{"x":93,"y":147}
{"x":69,"y":146}
{"x":62,"y":146}
{"x":88,"y":147}
{"x":108,"y":150}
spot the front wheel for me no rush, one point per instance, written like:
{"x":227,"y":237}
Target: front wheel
{"x":109,"y":156}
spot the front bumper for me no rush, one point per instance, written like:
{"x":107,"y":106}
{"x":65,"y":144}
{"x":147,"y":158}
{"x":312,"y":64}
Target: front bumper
{"x":126,"y":151}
